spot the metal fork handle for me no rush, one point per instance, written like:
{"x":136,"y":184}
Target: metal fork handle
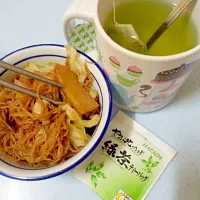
{"x":26,"y":91}
{"x":27,"y":73}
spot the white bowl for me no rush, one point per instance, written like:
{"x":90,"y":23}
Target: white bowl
{"x":45,"y":53}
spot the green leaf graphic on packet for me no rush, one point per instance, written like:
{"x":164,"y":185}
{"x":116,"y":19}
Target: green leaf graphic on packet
{"x":127,"y":162}
{"x":149,"y":164}
{"x":95,"y":172}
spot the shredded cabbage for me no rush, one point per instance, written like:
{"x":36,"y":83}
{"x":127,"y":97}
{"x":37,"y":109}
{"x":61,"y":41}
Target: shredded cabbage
{"x":92,"y":122}
{"x":78,"y":136}
{"x":74,"y":116}
{"x":32,"y":67}
{"x":93,"y":93}
{"x":76,"y":64}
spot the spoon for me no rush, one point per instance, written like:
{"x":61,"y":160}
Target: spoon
{"x":168,"y":22}
{"x":126,"y":36}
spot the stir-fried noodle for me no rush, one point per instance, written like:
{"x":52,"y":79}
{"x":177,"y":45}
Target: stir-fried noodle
{"x":38,"y":132}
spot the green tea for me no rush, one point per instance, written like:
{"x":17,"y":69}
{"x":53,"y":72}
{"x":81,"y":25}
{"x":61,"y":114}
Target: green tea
{"x":146,"y":16}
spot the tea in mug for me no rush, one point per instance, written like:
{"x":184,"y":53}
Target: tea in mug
{"x":146,"y":16}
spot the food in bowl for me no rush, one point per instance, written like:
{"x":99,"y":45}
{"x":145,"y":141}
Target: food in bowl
{"x":39,"y":133}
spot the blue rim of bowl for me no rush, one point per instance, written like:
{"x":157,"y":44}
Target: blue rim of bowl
{"x":95,"y":144}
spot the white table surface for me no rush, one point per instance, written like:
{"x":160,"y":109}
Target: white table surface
{"x":27,"y":22}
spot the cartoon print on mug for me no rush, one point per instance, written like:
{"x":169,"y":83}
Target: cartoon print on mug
{"x":130,"y":77}
{"x":173,"y":75}
{"x":143,"y":92}
{"x":115,"y":63}
{"x":100,"y":55}
{"x":101,"y":60}
{"x":124,"y":96}
{"x":120,"y":95}
{"x":160,"y":100}
{"x":165,"y":95}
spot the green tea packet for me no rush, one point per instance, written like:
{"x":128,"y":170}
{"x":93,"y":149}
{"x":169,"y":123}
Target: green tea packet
{"x":127,"y":163}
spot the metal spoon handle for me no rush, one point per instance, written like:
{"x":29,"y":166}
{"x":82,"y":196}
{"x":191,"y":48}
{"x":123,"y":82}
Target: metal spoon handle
{"x":170,"y":19}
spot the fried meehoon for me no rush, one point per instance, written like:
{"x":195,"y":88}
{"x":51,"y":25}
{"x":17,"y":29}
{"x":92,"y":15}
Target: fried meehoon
{"x":39,"y":133}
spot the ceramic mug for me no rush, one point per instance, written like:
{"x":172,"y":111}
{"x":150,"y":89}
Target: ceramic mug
{"x":139,"y":83}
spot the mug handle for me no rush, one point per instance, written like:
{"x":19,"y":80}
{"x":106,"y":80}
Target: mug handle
{"x":81,"y":9}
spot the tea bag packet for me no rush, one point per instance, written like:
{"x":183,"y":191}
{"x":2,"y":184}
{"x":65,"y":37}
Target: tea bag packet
{"x":127,"y":162}
{"x":82,"y":37}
